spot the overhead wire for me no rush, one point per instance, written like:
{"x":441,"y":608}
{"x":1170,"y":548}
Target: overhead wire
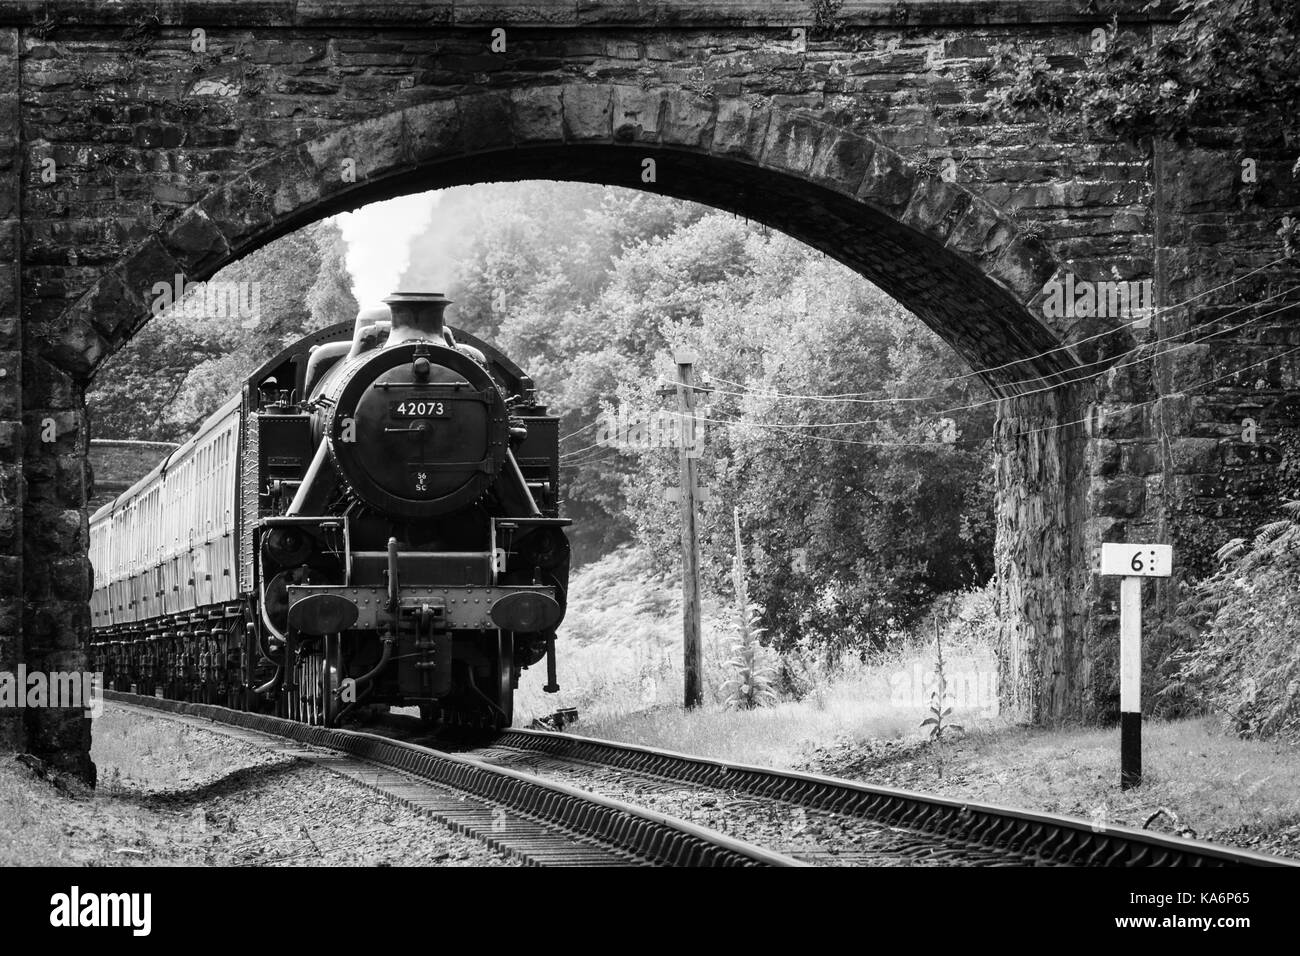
{"x":852,"y":398}
{"x":1034,"y":431}
{"x":573,"y":458}
{"x":1142,"y":320}
{"x":579,"y":431}
{"x":1160,"y":310}
{"x":1018,"y":434}
{"x":570,"y":454}
{"x":860,"y":397}
{"x":1073,"y":381}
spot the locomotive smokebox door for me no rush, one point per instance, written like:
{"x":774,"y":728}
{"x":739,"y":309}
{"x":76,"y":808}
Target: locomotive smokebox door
{"x":440,"y":419}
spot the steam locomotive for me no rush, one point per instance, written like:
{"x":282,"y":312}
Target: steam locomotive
{"x":373,"y":521}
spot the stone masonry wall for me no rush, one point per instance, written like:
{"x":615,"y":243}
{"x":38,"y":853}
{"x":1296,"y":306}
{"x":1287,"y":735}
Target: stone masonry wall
{"x":11,"y":444}
{"x":117,"y":465}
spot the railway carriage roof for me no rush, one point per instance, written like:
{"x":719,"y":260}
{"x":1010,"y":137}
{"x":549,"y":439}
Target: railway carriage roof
{"x":209,"y":425}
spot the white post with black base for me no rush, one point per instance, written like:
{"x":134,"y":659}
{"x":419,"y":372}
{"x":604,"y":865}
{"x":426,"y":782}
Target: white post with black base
{"x":1132,"y":563}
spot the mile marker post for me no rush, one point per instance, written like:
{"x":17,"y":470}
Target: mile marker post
{"x":1132,"y":563}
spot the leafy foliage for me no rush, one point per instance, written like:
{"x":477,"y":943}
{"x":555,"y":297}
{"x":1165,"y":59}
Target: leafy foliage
{"x":751,"y":682}
{"x":826,"y":17}
{"x":179,"y":369}
{"x":858,"y":511}
{"x":1246,"y":666}
{"x":1221,"y":59}
{"x":751,"y":685}
{"x":940,"y":709}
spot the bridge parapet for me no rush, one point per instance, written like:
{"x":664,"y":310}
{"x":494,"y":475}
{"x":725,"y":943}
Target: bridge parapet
{"x":677,"y":14}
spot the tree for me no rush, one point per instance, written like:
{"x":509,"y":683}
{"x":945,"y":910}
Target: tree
{"x":181,"y":366}
{"x":860,"y":510}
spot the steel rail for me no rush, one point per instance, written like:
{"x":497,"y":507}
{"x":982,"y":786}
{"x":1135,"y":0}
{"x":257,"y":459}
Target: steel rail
{"x":647,"y":837}
{"x":1028,"y":836}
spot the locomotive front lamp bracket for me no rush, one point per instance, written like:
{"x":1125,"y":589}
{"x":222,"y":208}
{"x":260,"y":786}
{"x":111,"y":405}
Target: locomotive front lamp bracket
{"x":510,"y":525}
{"x":323,"y":529}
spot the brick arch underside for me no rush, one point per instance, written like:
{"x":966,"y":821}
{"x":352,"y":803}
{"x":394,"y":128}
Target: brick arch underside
{"x":937,"y":248}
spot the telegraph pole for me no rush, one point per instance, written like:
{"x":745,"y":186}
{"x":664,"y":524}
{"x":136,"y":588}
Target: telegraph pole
{"x":690,"y":493}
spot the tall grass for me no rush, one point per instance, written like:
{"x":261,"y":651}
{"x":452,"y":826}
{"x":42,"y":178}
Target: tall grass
{"x":620,"y":665}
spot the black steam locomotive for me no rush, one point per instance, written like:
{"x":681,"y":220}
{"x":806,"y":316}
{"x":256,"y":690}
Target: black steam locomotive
{"x":373,"y":521}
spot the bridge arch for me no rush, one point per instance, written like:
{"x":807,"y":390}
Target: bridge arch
{"x":938,"y":248}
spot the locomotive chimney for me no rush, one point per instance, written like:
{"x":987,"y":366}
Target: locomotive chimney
{"x":417,"y":315}
{"x":371,"y":325}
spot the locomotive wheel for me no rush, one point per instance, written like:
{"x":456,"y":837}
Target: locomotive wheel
{"x":505,"y":679}
{"x":311,"y":698}
{"x":287,"y":694}
{"x":331,"y":671}
{"x":300,"y":703}
{"x":308,"y":683}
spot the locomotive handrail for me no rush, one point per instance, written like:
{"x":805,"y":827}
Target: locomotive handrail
{"x":457,"y":387}
{"x":534,"y":521}
{"x":483,"y":464}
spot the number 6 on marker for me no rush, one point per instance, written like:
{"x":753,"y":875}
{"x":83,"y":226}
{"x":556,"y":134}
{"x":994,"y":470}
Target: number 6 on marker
{"x":1137,"y":560}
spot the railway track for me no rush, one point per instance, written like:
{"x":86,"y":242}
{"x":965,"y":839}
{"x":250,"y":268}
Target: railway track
{"x":622,"y":801}
{"x":824,"y":820}
{"x":539,"y":821}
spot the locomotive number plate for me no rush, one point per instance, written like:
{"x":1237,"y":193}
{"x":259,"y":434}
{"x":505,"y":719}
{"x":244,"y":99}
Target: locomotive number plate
{"x":419,"y":408}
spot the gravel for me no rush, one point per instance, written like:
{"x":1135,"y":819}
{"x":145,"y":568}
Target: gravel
{"x":174,"y":794}
{"x":823,"y":838}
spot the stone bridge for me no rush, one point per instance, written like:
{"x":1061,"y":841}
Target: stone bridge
{"x":144,"y":139}
{"x":117,"y":465}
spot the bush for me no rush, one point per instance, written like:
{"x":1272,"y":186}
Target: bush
{"x":1246,"y":666}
